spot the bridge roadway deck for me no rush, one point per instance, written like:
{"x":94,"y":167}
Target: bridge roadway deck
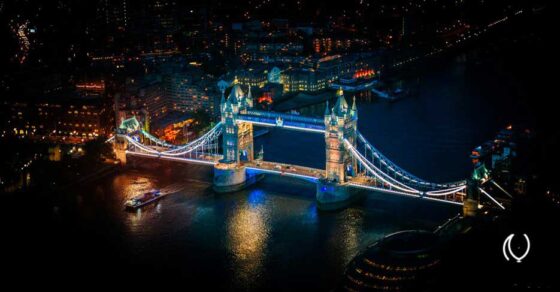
{"x":257,"y":165}
{"x":301,"y":172}
{"x":285,"y":169}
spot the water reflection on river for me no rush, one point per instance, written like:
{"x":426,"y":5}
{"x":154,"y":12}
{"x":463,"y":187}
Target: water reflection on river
{"x":268,"y":236}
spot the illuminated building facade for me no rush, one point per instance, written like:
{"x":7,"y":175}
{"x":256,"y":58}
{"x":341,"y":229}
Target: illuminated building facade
{"x":256,"y":77}
{"x":318,"y":74}
{"x":144,"y":95}
{"x":73,"y":119}
{"x":295,"y":80}
{"x":152,"y":99}
{"x":189,"y":92}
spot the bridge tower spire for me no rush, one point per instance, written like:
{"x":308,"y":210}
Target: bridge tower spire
{"x":354,"y":110}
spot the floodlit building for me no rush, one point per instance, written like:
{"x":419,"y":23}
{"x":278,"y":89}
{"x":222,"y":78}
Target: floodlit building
{"x":295,"y":80}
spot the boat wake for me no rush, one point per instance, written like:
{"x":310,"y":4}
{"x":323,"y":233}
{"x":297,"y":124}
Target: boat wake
{"x":172,"y":188}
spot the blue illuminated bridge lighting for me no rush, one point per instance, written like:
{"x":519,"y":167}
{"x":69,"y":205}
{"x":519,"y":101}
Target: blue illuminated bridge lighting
{"x":370,"y":169}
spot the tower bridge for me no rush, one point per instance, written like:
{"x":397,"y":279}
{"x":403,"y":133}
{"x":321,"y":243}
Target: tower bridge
{"x":353,"y":165}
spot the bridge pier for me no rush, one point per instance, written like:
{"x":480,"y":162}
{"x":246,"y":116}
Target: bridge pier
{"x":232,"y":177}
{"x":333,"y":195}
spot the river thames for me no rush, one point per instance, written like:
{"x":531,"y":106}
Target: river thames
{"x":270,"y":236}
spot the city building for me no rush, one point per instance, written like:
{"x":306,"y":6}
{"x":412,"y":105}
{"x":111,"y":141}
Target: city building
{"x":256,"y":76}
{"x":144,"y":94}
{"x":305,"y":79}
{"x":190,"y":91}
{"x":69,"y":117}
{"x":399,"y":261}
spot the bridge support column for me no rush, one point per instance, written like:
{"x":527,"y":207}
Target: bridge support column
{"x":332,"y":195}
{"x":231,"y":177}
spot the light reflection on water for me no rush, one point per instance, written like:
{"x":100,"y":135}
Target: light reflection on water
{"x":247,"y":234}
{"x":128,"y":187}
{"x":252,"y":239}
{"x":349,"y":234}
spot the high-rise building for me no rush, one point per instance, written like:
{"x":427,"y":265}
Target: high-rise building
{"x":190,"y":92}
{"x":114,"y":14}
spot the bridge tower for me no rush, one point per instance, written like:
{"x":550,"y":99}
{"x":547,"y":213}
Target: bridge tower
{"x":340,"y":124}
{"x":120,"y":144}
{"x":238,"y":136}
{"x":237,"y":143}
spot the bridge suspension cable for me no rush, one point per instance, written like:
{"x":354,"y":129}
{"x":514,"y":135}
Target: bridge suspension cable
{"x":156,"y":140}
{"x":200,"y":142}
{"x":491,"y":198}
{"x":395,"y":184}
{"x":397,"y":171}
{"x":211,"y":135}
{"x":445,"y":192}
{"x":377,"y":172}
{"x":140,"y":145}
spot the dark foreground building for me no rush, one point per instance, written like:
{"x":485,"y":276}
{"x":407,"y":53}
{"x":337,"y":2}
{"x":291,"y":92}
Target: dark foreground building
{"x":401,"y":261}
